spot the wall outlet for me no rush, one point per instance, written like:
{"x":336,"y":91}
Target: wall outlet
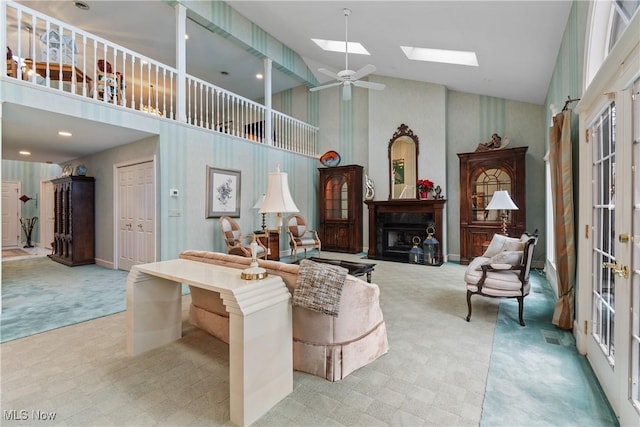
{"x":174,"y":192}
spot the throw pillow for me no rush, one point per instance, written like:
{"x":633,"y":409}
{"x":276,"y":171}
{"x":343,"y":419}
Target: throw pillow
{"x":319,"y":287}
{"x":507,"y":257}
{"x":501,"y":243}
{"x":503,"y":260}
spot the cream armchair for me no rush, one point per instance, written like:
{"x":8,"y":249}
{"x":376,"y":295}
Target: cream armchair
{"x":503,"y":271}
{"x":300,"y":236}
{"x":236,"y":243}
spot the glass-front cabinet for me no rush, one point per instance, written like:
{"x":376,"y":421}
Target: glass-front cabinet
{"x":481,"y":174}
{"x":340,"y":206}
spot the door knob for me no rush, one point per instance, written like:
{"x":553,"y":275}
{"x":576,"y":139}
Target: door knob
{"x":620,"y":270}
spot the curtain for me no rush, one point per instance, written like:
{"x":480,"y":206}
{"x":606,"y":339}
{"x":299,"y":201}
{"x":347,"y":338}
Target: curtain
{"x":562,"y":195}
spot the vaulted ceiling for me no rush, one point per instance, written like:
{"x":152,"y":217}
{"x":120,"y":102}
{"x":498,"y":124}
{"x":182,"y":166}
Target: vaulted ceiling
{"x":516,"y":42}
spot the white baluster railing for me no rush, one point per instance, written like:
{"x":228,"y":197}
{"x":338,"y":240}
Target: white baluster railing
{"x":59,"y":56}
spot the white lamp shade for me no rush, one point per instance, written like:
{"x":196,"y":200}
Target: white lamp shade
{"x":259,"y":203}
{"x":278,"y":198}
{"x":501,"y":201}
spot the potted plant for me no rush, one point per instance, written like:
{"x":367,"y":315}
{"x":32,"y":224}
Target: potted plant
{"x":424,"y":187}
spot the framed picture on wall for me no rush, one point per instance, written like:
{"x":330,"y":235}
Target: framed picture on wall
{"x":223,"y":193}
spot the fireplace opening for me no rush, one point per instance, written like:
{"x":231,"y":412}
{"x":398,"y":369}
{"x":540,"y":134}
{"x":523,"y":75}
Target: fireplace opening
{"x":396,"y":232}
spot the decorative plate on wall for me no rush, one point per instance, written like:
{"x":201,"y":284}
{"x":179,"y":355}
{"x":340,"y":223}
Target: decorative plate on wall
{"x":330,"y":159}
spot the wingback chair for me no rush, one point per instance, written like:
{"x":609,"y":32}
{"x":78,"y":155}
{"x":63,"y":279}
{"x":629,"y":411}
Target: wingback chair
{"x":502,"y":271}
{"x":237,"y":244}
{"x":300,"y":236}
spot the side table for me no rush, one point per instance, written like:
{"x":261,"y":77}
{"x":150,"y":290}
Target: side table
{"x":271,"y":239}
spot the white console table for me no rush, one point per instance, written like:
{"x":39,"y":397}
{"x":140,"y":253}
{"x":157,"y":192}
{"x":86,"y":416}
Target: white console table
{"x":260,"y":328}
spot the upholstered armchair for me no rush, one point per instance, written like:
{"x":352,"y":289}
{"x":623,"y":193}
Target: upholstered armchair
{"x":236,"y":243}
{"x":502,"y":271}
{"x":300,"y":236}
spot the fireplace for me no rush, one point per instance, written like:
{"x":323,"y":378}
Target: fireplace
{"x":393,"y":224}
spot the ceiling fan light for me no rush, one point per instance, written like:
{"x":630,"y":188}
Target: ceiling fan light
{"x":339,"y":46}
{"x":457,"y":57}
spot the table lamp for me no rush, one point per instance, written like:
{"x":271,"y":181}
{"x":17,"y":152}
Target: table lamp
{"x":501,"y":201}
{"x":278,"y":198}
{"x":258,"y":205}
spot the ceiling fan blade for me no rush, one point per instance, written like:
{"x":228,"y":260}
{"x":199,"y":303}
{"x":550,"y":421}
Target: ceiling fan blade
{"x":346,"y":92}
{"x":367,"y":69}
{"x":313,"y":89}
{"x":329,"y":73}
{"x":369,"y":85}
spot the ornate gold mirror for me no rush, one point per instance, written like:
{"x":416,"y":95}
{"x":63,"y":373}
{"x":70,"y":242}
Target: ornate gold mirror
{"x":403,"y":164}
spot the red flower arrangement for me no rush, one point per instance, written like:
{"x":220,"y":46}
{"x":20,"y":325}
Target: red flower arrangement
{"x":424,"y":185}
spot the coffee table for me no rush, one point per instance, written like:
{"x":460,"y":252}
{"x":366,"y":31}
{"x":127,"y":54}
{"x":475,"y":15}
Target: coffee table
{"x":355,"y":268}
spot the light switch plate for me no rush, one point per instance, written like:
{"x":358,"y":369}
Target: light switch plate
{"x":174,"y":192}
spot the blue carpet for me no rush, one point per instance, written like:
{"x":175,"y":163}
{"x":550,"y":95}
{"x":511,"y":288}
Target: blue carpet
{"x":40,"y":294}
{"x":542,"y":361}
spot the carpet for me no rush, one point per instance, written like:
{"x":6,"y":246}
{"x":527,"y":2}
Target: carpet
{"x":69,"y":295}
{"x":6,"y":253}
{"x":542,"y":361}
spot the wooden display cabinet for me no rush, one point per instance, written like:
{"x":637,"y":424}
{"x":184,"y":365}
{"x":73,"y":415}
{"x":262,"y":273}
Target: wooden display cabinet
{"x":482,"y":173}
{"x":73,"y":229}
{"x":340,"y":206}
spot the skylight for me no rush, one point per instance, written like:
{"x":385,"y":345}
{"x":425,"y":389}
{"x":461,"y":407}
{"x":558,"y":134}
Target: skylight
{"x":338,"y":46}
{"x":457,"y":57}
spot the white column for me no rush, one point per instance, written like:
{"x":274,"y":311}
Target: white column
{"x":268,"y":125}
{"x":181,"y":63}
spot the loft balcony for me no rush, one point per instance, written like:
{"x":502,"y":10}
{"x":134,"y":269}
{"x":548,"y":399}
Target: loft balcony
{"x":57,"y":56}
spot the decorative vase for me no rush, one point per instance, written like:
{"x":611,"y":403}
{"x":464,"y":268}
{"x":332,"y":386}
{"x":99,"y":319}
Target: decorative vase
{"x":423,"y":195}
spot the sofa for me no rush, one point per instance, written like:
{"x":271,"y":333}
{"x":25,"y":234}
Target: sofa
{"x":327,"y":346}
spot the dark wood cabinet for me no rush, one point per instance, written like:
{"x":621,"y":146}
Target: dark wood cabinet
{"x":74,"y":220}
{"x":340,"y":205}
{"x":482,"y":173}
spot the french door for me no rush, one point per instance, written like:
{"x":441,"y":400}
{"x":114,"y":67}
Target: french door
{"x":613,"y":344}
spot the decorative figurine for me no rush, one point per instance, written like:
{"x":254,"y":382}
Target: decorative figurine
{"x":496,"y":143}
{"x":370,"y":193}
{"x":438,"y":193}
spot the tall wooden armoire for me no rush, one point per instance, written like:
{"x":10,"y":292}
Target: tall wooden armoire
{"x":482,"y":173}
{"x":340,"y":206}
{"x":73,"y":228}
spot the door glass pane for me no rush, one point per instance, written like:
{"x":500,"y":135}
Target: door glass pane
{"x":635,"y":255}
{"x":603,"y":289}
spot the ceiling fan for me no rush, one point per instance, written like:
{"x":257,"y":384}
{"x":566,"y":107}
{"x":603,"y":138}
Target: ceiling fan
{"x":346,"y":78}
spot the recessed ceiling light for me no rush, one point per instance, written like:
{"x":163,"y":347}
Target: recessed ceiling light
{"x":81,"y":5}
{"x":64,"y":133}
{"x":339,"y":46}
{"x":24,"y":153}
{"x":458,"y":57}
{"x":259,"y":76}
